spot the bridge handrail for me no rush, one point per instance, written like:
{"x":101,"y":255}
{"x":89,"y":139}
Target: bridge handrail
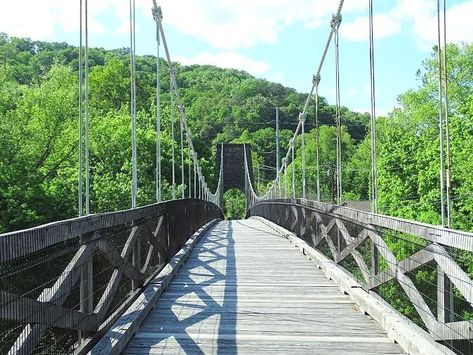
{"x":90,"y":262}
{"x":371,"y":239}
{"x":434,"y":233}
{"x":23,"y":242}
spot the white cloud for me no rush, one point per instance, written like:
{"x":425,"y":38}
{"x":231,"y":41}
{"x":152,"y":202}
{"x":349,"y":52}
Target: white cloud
{"x":385,"y":24}
{"x":42,"y":20}
{"x":229,"y":24}
{"x":418,"y":18}
{"x":351,"y":93}
{"x":459,"y":23}
{"x":227,"y":60}
{"x":422,"y":16}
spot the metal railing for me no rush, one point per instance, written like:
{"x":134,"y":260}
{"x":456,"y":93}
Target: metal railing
{"x":64,"y":283}
{"x":421,"y":270}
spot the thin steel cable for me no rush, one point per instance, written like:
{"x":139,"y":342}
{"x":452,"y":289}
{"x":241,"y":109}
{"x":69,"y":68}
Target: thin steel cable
{"x":134,"y":178}
{"x":447,"y":112}
{"x":81,"y":79}
{"x":157,"y":15}
{"x":303,"y":156}
{"x":190,"y":171}
{"x":183,"y":183}
{"x":319,"y":68}
{"x":173,"y":159}
{"x":195,"y":180}
{"x":317,"y":138}
{"x":86,"y":82}
{"x":277,"y":142}
{"x":374,"y":174}
{"x":182,"y":113}
{"x":336,"y":24}
{"x":285,"y":177}
{"x":440,"y":110}
{"x":293,"y":169}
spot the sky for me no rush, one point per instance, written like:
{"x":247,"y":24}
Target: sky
{"x":278,"y":40}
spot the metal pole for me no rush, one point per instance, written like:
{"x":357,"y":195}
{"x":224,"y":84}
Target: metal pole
{"x":374,"y":174}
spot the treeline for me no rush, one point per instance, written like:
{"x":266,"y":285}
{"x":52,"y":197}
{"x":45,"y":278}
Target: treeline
{"x":39,"y":133}
{"x":39,"y":129}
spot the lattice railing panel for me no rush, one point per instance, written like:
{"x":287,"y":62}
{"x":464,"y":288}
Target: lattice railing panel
{"x":54,"y":292}
{"x":425,"y":268}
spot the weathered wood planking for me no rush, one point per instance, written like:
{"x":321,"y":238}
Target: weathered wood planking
{"x":245,"y":289}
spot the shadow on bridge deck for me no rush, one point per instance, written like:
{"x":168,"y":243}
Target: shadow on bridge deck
{"x":244,"y":289}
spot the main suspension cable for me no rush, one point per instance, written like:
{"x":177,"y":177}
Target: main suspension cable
{"x":174,"y":88}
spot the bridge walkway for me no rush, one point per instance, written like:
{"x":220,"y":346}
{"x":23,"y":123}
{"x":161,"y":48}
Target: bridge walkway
{"x":246,"y":289}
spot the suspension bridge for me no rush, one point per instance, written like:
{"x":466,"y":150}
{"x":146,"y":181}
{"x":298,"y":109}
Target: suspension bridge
{"x":297,"y":275}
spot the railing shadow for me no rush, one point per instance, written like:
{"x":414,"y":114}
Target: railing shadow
{"x":199,"y":308}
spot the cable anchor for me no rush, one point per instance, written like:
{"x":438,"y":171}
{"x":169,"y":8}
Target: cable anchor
{"x":157,"y":11}
{"x":336,"y":21}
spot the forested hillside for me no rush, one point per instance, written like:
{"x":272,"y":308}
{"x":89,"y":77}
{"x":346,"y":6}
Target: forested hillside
{"x":39,"y":115}
{"x":39,"y":133}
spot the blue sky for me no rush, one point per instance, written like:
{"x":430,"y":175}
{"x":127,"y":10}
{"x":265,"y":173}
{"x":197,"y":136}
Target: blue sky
{"x":279,"y":40}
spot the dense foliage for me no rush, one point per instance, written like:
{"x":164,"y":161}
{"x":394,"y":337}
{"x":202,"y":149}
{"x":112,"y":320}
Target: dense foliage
{"x":38,"y":133}
{"x":39,"y":130}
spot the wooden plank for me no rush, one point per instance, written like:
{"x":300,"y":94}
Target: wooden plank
{"x":411,"y":337}
{"x":243,"y":285}
{"x":117,"y":337}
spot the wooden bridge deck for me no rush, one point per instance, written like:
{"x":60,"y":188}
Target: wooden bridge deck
{"x":245,"y":289}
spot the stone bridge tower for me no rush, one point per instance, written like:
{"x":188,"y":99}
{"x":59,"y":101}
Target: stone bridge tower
{"x":234,"y":165}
